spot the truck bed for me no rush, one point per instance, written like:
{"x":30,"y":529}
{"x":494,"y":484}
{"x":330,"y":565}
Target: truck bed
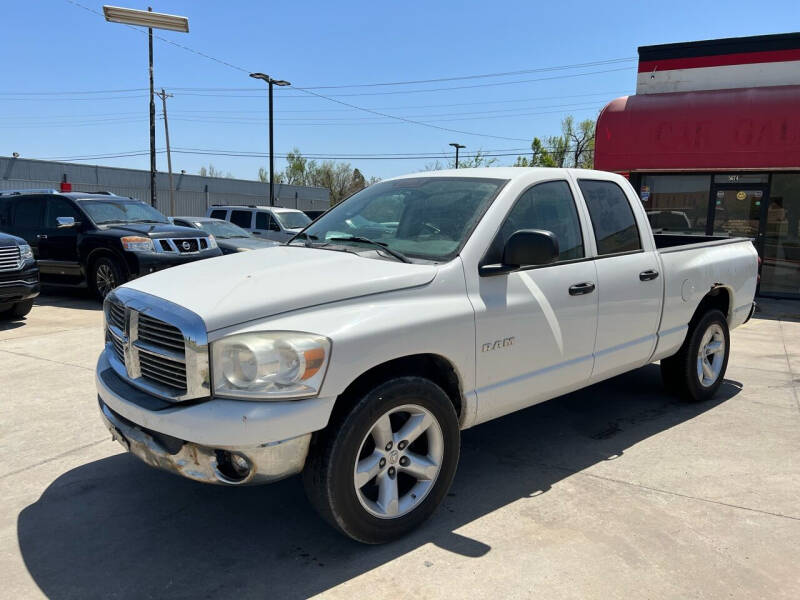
{"x":676,"y":242}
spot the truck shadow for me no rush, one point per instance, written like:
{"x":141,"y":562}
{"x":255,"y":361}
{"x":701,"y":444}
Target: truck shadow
{"x":115,"y":527}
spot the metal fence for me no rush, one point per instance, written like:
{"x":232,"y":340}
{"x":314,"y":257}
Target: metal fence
{"x":193,"y":193}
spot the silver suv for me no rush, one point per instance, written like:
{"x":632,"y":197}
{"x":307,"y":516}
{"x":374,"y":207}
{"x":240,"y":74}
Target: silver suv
{"x":269,"y":222}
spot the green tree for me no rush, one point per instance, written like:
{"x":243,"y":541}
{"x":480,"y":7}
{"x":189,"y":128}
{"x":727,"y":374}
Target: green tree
{"x":471,"y":161}
{"x":341,"y":179}
{"x":212,"y":171}
{"x":573,"y":148}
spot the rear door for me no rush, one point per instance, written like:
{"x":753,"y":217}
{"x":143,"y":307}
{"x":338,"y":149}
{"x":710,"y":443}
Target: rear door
{"x":630,"y":286}
{"x":242,"y":218}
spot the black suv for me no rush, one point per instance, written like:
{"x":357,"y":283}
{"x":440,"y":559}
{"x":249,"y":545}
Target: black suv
{"x":19,"y":277}
{"x":98,"y":239}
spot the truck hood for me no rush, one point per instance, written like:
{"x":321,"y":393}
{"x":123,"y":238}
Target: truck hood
{"x":241,"y":287}
{"x":154,"y":230}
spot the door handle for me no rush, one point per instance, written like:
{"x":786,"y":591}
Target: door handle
{"x":41,"y":236}
{"x":579,"y":289}
{"x":648,"y":275}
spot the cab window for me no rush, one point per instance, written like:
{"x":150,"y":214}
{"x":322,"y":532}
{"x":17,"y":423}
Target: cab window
{"x":612,"y":217}
{"x":219,"y":214}
{"x":548,"y":206}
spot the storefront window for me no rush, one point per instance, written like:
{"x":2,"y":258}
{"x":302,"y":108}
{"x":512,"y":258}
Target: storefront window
{"x":676,"y":203}
{"x":780,"y":273}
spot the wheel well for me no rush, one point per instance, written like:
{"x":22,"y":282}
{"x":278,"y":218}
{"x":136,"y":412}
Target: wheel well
{"x":718,"y":298}
{"x":430,"y":366}
{"x":98,"y":253}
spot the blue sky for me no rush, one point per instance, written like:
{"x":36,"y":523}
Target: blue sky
{"x":55,"y":47}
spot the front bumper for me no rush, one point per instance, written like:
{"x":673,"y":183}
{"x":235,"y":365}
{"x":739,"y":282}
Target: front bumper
{"x":191,"y":438}
{"x":19,"y":286}
{"x":264,"y":464}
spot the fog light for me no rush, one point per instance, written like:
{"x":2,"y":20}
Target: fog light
{"x":232,"y":467}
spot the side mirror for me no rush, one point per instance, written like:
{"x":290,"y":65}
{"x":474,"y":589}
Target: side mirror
{"x":65,"y":222}
{"x":529,"y":247}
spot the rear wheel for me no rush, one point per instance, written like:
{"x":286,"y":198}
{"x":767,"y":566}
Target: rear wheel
{"x":697,"y":370}
{"x":380,"y":470}
{"x":106,"y":274}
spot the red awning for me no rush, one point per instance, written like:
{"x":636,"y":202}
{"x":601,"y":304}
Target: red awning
{"x":754,"y":128}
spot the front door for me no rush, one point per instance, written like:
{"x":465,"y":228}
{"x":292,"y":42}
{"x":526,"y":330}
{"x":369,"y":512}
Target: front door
{"x":58,"y":246}
{"x":535,"y":328}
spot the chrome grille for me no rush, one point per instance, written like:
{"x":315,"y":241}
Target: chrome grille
{"x":9,"y":258}
{"x":157,"y":346}
{"x":116,"y":315}
{"x":163,"y":370}
{"x":160,"y":334}
{"x":191,"y":245}
{"x":118,"y":346}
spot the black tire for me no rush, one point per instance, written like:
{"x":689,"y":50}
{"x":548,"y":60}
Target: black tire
{"x":20,"y":309}
{"x":682,"y":373}
{"x":106,"y":274}
{"x":329,"y":472}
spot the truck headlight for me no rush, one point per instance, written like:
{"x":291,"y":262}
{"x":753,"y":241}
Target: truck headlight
{"x":25,"y":252}
{"x":135,"y":243}
{"x":212,"y":242}
{"x":269,"y":365}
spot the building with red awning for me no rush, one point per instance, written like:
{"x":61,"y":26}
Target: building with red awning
{"x":711,"y":141}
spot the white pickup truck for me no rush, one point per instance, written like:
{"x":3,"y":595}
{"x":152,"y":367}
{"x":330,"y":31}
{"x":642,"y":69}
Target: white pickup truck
{"x":420,"y":306}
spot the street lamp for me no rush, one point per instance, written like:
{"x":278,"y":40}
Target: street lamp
{"x":457,"y":147}
{"x":147,"y":18}
{"x":270,"y":82}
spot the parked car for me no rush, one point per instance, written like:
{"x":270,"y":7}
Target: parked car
{"x":19,"y":277}
{"x":230,"y":238}
{"x":357,"y":361}
{"x":270,"y":222}
{"x":98,"y":240}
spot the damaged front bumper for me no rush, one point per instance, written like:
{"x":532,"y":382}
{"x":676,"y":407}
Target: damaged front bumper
{"x":226,"y":466}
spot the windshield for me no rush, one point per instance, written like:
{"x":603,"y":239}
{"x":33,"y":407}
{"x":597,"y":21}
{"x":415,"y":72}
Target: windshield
{"x":423,"y":217}
{"x":223,"y":229}
{"x":292,"y":220}
{"x":121,"y":211}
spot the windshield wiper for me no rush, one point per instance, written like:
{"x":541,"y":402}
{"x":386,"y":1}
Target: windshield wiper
{"x":382,"y":245}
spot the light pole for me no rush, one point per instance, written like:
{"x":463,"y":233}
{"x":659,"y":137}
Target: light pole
{"x":147,"y":18}
{"x":270,"y":82}
{"x":457,"y":147}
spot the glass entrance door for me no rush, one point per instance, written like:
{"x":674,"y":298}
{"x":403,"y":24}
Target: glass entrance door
{"x":780,"y":272}
{"x":738,"y":210}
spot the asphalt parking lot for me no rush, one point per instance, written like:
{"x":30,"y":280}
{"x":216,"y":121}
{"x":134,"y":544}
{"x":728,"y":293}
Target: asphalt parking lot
{"x":617,"y":491}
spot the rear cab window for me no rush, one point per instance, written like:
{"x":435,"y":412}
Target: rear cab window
{"x":612,"y":217}
{"x":219,"y":213}
{"x":242,"y":218}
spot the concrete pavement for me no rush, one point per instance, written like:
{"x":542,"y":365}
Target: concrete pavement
{"x":617,"y":491}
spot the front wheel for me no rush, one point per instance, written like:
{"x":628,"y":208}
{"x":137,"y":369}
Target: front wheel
{"x":106,"y":275}
{"x":697,"y":370}
{"x":380,"y":470}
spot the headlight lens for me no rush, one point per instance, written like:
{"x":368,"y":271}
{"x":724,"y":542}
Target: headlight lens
{"x":25,"y":252}
{"x":267,"y":365}
{"x":212,"y":242}
{"x":135,"y":243}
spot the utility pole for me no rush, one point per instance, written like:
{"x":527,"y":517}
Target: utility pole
{"x":270,"y":82}
{"x":147,"y":18}
{"x":457,"y":147}
{"x":164,"y":95}
{"x":153,"y":201}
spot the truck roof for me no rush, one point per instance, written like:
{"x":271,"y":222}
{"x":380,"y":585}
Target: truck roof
{"x":505,"y":173}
